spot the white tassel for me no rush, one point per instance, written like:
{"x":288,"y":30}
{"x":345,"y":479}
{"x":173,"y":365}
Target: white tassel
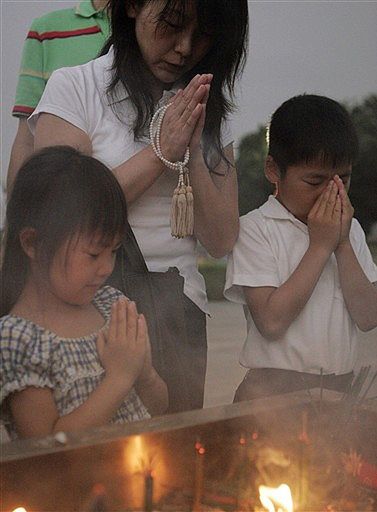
{"x":182,"y":206}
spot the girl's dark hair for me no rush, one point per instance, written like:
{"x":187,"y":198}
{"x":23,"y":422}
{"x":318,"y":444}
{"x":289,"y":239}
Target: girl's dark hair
{"x":225,"y":20}
{"x":59,"y":192}
{"x":310,"y":128}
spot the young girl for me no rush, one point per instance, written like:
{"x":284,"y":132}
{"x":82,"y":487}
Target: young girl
{"x":74,"y":354}
{"x":186,"y":53}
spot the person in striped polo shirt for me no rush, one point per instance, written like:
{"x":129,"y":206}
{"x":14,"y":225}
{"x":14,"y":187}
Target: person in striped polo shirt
{"x":66,"y":37}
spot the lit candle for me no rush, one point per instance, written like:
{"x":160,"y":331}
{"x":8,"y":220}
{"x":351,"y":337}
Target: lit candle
{"x":199,"y":472}
{"x":148,"y":494}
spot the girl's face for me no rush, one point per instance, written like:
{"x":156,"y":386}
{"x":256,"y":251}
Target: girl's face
{"x":172,"y":47}
{"x":80,"y":267}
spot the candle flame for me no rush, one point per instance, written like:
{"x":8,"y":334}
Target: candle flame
{"x":19,"y":509}
{"x":276,"y":499}
{"x":136,"y":455}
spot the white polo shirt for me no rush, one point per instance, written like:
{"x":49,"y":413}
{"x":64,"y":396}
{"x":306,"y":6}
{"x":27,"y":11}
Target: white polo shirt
{"x":78,"y":95}
{"x":271,"y":244}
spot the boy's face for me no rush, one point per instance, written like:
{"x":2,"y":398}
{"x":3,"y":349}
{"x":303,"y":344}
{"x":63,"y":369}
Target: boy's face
{"x":302,"y":184}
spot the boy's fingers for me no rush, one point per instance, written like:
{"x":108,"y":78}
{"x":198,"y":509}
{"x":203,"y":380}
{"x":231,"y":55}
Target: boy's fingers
{"x":331,"y":198}
{"x":323,"y":199}
{"x":337,"y":212}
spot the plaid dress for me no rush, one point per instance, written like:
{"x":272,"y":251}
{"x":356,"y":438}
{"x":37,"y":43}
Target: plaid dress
{"x":33,"y":356}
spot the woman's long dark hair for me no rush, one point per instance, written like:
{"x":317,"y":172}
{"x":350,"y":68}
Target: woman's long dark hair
{"x":225,"y":20}
{"x":59,"y":192}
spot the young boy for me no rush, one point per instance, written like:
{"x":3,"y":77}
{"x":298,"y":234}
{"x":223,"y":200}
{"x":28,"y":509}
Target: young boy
{"x":301,"y":264}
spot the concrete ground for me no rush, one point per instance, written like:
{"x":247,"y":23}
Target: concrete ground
{"x":226,"y":334}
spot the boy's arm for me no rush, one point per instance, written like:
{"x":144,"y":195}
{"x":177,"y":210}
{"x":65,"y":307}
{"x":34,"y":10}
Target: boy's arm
{"x":274,"y":309}
{"x":359,"y":293}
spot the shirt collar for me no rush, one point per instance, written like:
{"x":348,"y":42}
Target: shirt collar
{"x":273,"y":209}
{"x":86,"y":9}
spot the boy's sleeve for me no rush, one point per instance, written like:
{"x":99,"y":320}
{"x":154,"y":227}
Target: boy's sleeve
{"x":31,"y":79}
{"x":252,"y":262}
{"x":64,"y":96}
{"x":362,"y":251}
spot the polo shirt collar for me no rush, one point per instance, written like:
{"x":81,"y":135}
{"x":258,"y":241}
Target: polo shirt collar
{"x":86,"y":9}
{"x":273,"y":209}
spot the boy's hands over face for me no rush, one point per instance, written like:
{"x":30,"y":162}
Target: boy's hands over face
{"x":347,"y":211}
{"x":324,"y":219}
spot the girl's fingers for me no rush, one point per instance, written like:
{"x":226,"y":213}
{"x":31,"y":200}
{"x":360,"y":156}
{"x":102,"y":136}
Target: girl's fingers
{"x":113,"y":322}
{"x":100,"y":342}
{"x":122,"y":319}
{"x":142,"y":331}
{"x":131,"y":330}
{"x":142,"y":326}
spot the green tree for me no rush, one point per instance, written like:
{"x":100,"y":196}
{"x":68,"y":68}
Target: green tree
{"x":363,"y":192}
{"x":254,"y":187}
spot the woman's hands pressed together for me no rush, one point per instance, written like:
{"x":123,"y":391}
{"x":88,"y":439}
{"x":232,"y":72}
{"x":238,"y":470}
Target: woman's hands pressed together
{"x":184,"y":119}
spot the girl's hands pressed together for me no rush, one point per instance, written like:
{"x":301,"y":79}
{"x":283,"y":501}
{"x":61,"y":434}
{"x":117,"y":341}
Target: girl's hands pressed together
{"x":324,"y":219}
{"x":347,"y":211}
{"x":122,"y":348}
{"x":184,"y":119}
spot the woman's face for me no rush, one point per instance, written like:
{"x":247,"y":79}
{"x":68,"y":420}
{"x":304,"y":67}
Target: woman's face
{"x":172,"y":47}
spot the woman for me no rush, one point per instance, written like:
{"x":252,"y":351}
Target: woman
{"x":188,"y":53}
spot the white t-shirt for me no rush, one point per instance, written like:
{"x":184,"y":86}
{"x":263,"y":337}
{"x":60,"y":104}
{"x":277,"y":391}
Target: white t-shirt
{"x":78,"y":95}
{"x":271,"y":244}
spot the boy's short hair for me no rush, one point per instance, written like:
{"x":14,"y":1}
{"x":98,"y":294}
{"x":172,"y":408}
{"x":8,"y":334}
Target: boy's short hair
{"x":310,"y":128}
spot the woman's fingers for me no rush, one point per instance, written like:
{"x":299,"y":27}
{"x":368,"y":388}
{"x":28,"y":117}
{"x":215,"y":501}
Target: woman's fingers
{"x":196,"y":92}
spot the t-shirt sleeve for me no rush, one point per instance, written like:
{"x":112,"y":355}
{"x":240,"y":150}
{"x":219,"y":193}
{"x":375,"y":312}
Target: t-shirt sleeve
{"x":252,"y":262}
{"x":362,"y":251}
{"x":31,"y":79}
{"x":64,"y":96}
{"x":24,"y":357}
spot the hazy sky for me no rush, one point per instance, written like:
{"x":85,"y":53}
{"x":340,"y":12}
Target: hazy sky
{"x":323,"y":47}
